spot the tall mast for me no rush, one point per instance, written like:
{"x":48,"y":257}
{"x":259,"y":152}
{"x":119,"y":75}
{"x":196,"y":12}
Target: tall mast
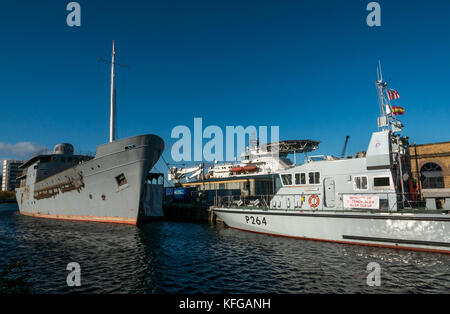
{"x":112,"y":119}
{"x":387,"y":122}
{"x":384,"y":121}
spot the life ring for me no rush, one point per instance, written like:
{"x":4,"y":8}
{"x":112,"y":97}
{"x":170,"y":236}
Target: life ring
{"x":316,"y":201}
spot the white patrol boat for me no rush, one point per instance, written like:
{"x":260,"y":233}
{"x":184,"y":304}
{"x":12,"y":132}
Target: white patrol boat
{"x":365,"y":200}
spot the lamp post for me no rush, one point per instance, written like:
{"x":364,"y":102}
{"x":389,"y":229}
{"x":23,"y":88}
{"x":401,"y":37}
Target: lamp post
{"x":419,"y":183}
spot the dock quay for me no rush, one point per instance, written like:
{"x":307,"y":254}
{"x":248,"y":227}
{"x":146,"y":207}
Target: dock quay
{"x":8,"y":201}
{"x":189,"y":212}
{"x":192,"y":203}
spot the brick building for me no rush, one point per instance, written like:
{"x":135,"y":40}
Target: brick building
{"x":431,"y":164}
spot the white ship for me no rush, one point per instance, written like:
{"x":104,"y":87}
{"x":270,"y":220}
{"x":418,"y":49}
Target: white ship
{"x":363,"y":200}
{"x":257,"y":160}
{"x":110,"y":187}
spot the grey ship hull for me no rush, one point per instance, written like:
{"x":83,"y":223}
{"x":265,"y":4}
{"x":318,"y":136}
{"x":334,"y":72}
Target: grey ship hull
{"x":91,"y":191}
{"x":408,"y":231}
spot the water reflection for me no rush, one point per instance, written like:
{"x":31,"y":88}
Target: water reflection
{"x":167,"y":257}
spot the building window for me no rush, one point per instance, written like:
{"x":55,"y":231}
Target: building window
{"x":381,"y":182}
{"x":300,"y":178}
{"x":432,"y":176}
{"x":286,"y":179}
{"x":360,"y":183}
{"x":314,"y":177}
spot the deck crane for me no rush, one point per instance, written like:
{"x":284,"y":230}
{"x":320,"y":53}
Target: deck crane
{"x":177,"y":174}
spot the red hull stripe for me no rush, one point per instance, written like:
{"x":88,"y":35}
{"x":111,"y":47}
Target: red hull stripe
{"x":119,"y":220}
{"x":353,"y":243}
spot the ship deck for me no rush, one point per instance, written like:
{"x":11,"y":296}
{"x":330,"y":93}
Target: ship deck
{"x":359,"y":211}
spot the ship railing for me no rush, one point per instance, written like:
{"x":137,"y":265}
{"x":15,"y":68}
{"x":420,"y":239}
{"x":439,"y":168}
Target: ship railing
{"x":85,"y":153}
{"x":257,"y":201}
{"x":389,"y":201}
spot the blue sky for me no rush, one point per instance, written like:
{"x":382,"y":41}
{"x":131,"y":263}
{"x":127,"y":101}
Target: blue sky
{"x":307,"y":66}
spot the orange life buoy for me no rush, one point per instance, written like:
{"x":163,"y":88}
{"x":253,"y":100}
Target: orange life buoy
{"x":314,"y":201}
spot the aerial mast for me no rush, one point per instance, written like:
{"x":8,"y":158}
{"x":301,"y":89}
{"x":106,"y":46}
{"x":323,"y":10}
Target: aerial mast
{"x":385,"y":107}
{"x":112,"y":119}
{"x":387,"y":122}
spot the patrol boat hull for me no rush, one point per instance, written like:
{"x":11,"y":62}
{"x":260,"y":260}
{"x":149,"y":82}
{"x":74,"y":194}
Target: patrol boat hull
{"x":421,"y":232}
{"x":107,"y":188}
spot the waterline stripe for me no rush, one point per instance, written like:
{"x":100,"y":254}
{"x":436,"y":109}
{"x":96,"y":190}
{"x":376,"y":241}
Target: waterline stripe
{"x":390,"y":240}
{"x":120,"y":220}
{"x":409,"y":248}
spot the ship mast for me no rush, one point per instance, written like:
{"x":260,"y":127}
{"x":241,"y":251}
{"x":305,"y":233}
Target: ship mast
{"x":384,"y":121}
{"x":387,"y":122}
{"x":112,"y":118}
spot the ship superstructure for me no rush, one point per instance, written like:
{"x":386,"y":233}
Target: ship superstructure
{"x":254,"y":174}
{"x":266,"y":159}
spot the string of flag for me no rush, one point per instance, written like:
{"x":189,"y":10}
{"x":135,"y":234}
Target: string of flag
{"x":392,"y":94}
{"x":396,"y":110}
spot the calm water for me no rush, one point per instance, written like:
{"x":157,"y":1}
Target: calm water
{"x":169,"y":257}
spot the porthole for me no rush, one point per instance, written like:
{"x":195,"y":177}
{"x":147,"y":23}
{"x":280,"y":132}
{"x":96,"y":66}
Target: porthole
{"x":121,"y":180}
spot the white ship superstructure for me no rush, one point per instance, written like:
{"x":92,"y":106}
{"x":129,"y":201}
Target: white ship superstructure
{"x":265,"y":159}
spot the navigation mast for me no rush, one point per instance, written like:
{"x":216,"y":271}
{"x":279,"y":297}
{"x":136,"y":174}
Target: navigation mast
{"x":112,"y":118}
{"x":384,"y":120}
{"x":387,"y":122}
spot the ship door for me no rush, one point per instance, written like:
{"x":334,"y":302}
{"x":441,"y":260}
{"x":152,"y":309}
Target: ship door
{"x":329,"y":192}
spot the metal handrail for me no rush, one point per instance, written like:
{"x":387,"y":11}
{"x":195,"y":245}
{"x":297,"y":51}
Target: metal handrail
{"x":263,"y":201}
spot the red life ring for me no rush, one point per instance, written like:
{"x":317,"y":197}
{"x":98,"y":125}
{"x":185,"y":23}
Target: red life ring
{"x":316,"y":199}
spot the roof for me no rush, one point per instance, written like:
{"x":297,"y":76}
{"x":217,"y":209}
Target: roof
{"x":46,"y":158}
{"x":32,"y":160}
{"x":232,"y":179}
{"x":437,"y":143}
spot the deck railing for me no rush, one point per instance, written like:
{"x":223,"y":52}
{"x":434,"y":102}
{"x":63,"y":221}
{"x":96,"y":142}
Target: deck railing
{"x":388,"y":201}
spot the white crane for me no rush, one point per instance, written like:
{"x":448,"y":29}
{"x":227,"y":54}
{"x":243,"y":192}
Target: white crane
{"x":177,"y":174}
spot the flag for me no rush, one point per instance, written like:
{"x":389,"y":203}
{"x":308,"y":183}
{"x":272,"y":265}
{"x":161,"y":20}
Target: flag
{"x":397,"y":110}
{"x":392,"y":94}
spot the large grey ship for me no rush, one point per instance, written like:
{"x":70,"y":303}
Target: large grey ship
{"x":110,"y":187}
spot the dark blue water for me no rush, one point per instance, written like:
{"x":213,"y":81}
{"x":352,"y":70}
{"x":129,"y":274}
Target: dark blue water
{"x":170,"y":257}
